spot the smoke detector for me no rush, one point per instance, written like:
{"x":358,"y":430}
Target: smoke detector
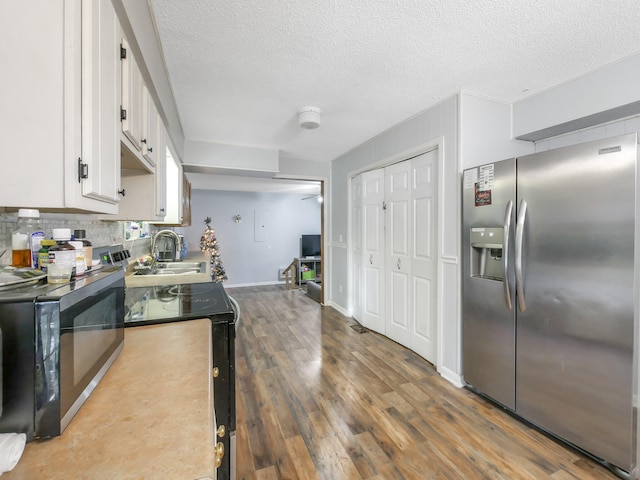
{"x":309,"y":117}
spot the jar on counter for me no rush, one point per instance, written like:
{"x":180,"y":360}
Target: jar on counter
{"x":80,"y":235}
{"x":62,"y":257}
{"x":43,"y":254}
{"x":26,"y":238}
{"x":81,"y":262}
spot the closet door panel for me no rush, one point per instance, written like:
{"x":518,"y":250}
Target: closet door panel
{"x":398,"y":236}
{"x":373,"y":251}
{"x":423,"y":254}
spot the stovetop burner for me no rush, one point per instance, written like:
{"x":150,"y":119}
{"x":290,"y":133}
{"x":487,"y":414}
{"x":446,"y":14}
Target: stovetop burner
{"x":145,"y":305}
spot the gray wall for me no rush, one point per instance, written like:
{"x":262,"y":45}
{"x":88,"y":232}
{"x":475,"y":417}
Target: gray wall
{"x":247,"y":261}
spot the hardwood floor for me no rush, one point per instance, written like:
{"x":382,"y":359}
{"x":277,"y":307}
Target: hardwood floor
{"x":318,"y":400}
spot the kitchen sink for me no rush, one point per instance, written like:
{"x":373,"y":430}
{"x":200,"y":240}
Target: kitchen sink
{"x":175,"y":268}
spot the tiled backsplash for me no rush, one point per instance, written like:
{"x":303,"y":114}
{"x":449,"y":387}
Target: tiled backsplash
{"x":99,"y":232}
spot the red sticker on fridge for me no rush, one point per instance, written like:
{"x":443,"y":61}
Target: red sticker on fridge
{"x":483,"y":197}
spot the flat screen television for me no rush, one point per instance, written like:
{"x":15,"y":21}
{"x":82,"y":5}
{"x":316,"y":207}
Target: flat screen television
{"x":310,"y":246}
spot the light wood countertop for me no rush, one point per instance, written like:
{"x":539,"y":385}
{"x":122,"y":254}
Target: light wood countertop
{"x":151,"y":416}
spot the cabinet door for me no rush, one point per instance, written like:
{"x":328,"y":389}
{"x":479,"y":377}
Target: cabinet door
{"x":132,"y":95}
{"x":175,"y":188}
{"x":61,"y":102}
{"x":31,"y":103}
{"x":161,"y":166}
{"x":99,"y":165}
{"x":151,"y":149}
{"x":186,"y":201}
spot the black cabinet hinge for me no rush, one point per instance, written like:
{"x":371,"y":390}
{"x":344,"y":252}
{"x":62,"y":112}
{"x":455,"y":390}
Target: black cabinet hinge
{"x":123,"y":52}
{"x":83,"y":170}
{"x":123,"y":114}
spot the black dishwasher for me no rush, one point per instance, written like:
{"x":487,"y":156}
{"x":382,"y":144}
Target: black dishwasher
{"x":176,"y":303}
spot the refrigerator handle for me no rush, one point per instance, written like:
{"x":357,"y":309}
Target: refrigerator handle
{"x":522,"y":211}
{"x":505,"y":253}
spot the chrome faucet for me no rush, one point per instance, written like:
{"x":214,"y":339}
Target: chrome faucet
{"x":176,"y":244}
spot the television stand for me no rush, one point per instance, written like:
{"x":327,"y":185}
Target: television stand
{"x":309,"y":268}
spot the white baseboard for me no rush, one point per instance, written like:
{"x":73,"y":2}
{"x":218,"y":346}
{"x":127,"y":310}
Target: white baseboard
{"x":338,"y":308}
{"x":256,"y":284}
{"x":451,"y":377}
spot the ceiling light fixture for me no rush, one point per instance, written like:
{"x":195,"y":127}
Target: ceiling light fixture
{"x":309,"y":117}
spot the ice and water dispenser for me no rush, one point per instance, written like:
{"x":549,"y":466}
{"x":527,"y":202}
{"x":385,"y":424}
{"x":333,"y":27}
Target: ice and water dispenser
{"x":486,"y":253}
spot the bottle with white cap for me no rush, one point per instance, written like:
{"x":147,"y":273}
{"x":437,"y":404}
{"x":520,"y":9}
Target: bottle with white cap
{"x":62,"y":254}
{"x":26,"y":238}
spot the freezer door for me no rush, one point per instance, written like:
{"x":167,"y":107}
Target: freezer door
{"x":488,"y":328}
{"x":576,"y":311}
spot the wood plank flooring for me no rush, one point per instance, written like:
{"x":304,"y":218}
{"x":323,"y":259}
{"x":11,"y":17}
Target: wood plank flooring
{"x":318,"y":400}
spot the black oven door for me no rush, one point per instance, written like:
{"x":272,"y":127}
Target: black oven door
{"x":78,"y":337}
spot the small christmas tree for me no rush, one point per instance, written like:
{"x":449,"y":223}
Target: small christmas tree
{"x":209,"y":244}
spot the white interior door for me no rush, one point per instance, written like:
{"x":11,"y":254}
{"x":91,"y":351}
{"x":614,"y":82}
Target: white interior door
{"x":373,"y":251}
{"x":398,"y":321}
{"x":356,"y":247}
{"x":424,"y":198}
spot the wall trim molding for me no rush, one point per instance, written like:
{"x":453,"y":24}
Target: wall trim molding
{"x":337,"y":307}
{"x":452,"y":377}
{"x":450,"y":259}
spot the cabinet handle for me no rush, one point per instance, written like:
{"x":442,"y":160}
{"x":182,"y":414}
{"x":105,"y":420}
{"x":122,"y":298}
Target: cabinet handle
{"x":398,"y":264}
{"x":150,"y":149}
{"x":371,"y":259}
{"x":221,"y":431}
{"x":122,"y":192}
{"x":219,"y":454}
{"x":216,"y":372}
{"x":144,"y":140}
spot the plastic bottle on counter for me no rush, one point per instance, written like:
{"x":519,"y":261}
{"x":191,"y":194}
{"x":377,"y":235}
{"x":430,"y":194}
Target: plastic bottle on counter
{"x":62,"y":257}
{"x":43,"y":254}
{"x":80,"y":235}
{"x":26,"y":238}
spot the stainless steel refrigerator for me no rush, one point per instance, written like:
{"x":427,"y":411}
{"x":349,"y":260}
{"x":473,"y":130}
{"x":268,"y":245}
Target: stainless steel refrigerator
{"x":550,"y":248}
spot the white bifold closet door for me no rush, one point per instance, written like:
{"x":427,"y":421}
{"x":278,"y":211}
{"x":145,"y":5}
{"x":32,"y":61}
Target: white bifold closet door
{"x":398,"y":270}
{"x":372,"y":273}
{"x":399,"y":295}
{"x":424,"y":247}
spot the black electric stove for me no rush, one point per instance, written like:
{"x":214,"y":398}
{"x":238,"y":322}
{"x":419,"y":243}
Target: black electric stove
{"x":170,"y":303}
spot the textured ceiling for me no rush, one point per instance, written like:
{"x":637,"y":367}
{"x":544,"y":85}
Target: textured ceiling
{"x":240,"y":69}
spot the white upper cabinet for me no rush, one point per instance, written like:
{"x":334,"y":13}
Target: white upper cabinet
{"x":143,"y":145}
{"x":145,"y":196}
{"x":59,"y":112}
{"x":150,"y":124}
{"x":160,"y":157}
{"x":178,"y":192}
{"x":132,"y":95}
{"x":137,"y":126}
